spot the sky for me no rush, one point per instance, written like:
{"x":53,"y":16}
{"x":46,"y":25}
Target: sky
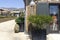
{"x":12,"y":3}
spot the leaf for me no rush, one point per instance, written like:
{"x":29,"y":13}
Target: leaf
{"x":39,"y":20}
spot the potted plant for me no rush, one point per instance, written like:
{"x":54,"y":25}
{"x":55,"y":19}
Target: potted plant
{"x":19,"y":22}
{"x":39,"y":21}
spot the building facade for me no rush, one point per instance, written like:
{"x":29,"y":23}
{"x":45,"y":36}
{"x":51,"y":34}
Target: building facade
{"x":44,"y":7}
{"x":11,"y":12}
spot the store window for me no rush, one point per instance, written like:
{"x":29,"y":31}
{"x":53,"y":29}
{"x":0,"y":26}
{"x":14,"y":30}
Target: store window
{"x":54,"y":10}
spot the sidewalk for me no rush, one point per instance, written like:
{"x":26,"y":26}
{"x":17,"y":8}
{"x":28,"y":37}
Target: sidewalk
{"x":7,"y":32}
{"x":13,"y":36}
{"x":53,"y":36}
{"x":21,"y":36}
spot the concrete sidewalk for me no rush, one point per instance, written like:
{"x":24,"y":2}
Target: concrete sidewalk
{"x":7,"y":26}
{"x":13,"y":36}
{"x":7,"y":32}
{"x":21,"y":36}
{"x":53,"y":36}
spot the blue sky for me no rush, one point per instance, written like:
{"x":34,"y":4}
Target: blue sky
{"x":12,"y":3}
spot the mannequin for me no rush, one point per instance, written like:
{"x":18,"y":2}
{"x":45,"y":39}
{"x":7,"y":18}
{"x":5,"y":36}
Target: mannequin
{"x":54,"y":23}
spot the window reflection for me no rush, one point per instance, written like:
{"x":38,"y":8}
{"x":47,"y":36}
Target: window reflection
{"x":54,"y":10}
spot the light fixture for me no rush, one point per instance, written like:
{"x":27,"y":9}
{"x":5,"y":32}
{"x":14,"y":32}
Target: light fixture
{"x":32,"y":3}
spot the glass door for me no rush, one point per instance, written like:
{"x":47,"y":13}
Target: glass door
{"x":54,"y":11}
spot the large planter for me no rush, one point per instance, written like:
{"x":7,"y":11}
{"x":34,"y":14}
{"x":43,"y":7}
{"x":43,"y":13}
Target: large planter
{"x":20,"y":22}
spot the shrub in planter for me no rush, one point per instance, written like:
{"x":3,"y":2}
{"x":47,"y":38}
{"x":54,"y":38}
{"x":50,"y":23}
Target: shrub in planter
{"x":39,"y":21}
{"x":19,"y":21}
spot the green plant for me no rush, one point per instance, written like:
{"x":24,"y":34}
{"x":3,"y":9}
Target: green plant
{"x":19,"y":20}
{"x":38,"y":21}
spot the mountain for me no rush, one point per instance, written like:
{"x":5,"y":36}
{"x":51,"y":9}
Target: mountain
{"x":11,"y":9}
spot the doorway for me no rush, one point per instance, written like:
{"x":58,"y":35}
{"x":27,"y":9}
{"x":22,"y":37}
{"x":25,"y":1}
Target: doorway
{"x":54,"y":11}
